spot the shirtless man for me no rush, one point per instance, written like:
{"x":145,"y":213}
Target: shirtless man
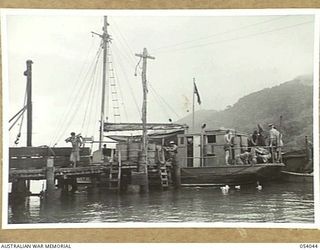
{"x":227,"y":145}
{"x":76,"y":142}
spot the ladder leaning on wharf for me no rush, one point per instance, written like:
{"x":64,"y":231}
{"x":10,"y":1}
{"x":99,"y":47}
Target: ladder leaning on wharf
{"x":164,"y":176}
{"x":115,"y":175}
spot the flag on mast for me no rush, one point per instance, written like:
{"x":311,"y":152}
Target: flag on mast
{"x":195,"y":91}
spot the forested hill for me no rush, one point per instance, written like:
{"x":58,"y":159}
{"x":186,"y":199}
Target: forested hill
{"x":292,"y":100}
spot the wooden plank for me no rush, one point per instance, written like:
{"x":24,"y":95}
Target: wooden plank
{"x":44,"y":151}
{"x":28,"y":151}
{"x":27,"y":163}
{"x":40,"y":162}
{"x":66,"y":151}
{"x":64,"y":161}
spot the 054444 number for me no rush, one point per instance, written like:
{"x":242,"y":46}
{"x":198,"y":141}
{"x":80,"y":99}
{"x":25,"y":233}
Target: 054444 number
{"x":309,"y":245}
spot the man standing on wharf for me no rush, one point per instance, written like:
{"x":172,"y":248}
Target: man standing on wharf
{"x":76,"y":142}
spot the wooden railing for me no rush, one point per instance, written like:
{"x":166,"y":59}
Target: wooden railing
{"x":36,"y":157}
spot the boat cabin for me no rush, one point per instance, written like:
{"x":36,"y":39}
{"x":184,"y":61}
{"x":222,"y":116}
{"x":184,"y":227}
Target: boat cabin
{"x":128,"y":138}
{"x":206,"y":149}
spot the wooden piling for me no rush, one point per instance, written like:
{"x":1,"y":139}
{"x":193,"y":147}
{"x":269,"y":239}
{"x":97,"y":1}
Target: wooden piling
{"x":307,"y":149}
{"x":74,"y":184}
{"x":143,"y":173}
{"x":50,"y":176}
{"x":19,"y":190}
{"x":177,"y":173}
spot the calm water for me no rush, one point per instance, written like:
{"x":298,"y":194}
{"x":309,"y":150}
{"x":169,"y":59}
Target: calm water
{"x":276,"y":202}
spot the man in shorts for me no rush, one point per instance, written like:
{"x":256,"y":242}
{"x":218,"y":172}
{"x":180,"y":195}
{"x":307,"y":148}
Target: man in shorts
{"x":76,"y":142}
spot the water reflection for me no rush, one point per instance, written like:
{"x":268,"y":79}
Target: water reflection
{"x":290,"y":203}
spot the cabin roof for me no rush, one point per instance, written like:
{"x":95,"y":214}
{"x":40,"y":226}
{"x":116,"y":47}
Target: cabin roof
{"x":223,"y":131}
{"x":151,"y":135}
{"x":138,"y":126}
{"x":220,"y":131}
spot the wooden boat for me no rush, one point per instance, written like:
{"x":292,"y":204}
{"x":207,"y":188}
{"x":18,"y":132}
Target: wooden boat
{"x":297,"y":177}
{"x":232,"y":175}
{"x":299,"y":165}
{"x":201,"y":160}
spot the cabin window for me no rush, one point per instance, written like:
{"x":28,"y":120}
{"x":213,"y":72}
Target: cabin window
{"x":210,"y":150}
{"x":181,"y":140}
{"x":107,"y":152}
{"x":211,"y":138}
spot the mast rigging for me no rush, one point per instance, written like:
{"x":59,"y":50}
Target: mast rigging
{"x":104,"y":98}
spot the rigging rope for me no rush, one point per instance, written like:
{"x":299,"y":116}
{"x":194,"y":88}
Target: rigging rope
{"x":76,"y":99}
{"x":21,"y":115}
{"x":72,"y":95}
{"x":79,"y":99}
{"x":164,"y":101}
{"x":120,"y":90}
{"x":236,"y":38}
{"x":62,"y":119}
{"x":136,"y":65}
{"x":219,"y":33}
{"x":159,"y":102}
{"x":17,"y":114}
{"x":14,"y":123}
{"x":90,"y":96}
{"x":128,"y":82}
{"x":124,"y":41}
{"x":94,"y":114}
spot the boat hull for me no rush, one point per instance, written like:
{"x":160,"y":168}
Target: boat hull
{"x":297,"y":177}
{"x":232,"y":175}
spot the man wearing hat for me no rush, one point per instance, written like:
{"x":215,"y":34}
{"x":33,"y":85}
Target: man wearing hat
{"x":172,"y":151}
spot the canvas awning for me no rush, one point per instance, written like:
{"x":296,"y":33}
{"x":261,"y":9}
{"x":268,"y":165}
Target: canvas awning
{"x":138,"y":126}
{"x":151,"y":135}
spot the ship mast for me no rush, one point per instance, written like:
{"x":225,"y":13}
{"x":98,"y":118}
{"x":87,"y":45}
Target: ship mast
{"x":144,"y":165}
{"x":105,"y":97}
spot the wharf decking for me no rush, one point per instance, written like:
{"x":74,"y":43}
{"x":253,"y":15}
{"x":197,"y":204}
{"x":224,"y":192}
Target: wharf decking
{"x":66,"y":172}
{"x":54,"y":166}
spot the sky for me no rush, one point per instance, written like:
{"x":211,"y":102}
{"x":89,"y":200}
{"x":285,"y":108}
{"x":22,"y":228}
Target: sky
{"x":229,"y":57}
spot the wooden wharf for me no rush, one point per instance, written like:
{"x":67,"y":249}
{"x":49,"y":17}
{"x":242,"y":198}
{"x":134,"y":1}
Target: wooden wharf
{"x":54,"y":166}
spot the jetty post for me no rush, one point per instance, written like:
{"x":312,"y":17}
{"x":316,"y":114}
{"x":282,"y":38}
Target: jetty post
{"x":177,"y":174}
{"x":50,"y":176}
{"x":19,"y":190}
{"x":308,"y":154}
{"x":21,"y":187}
{"x":28,"y":74}
{"x":144,"y":160}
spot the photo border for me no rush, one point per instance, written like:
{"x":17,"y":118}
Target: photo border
{"x":161,"y":234}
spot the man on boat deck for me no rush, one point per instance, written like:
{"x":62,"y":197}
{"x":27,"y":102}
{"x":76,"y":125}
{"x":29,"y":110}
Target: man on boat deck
{"x":172,"y":151}
{"x":275,"y":140}
{"x":227,"y":145}
{"x":252,"y":140}
{"x":107,"y":153}
{"x":76,"y":142}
